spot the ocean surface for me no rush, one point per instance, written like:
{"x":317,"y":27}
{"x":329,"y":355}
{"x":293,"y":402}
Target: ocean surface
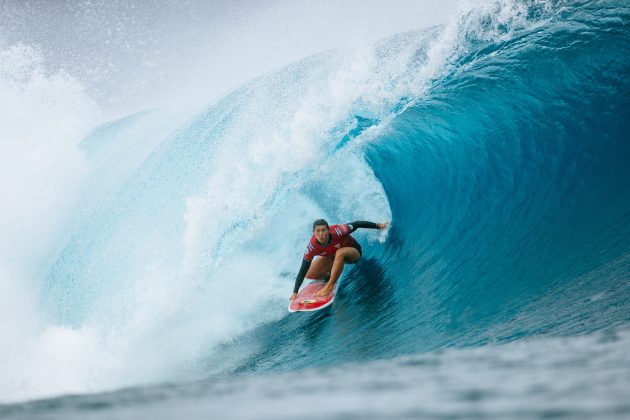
{"x":498,"y":144}
{"x":577,"y":377}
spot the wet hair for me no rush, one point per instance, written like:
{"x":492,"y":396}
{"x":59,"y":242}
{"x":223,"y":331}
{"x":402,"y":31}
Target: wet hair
{"x":320,"y":222}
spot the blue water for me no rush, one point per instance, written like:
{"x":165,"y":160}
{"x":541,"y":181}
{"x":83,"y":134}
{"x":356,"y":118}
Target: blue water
{"x":498,"y":147}
{"x":508,"y":186}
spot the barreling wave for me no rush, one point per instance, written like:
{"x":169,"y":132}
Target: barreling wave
{"x":496,"y":144}
{"x":508,"y":186}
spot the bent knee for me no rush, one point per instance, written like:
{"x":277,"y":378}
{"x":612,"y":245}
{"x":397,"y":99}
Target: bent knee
{"x":349,"y":254}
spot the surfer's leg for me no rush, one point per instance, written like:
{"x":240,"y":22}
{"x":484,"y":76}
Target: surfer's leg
{"x":345,"y":255}
{"x":320,"y":268}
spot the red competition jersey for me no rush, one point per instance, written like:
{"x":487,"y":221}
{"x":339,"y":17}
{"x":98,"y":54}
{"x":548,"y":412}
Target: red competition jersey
{"x":339,"y":238}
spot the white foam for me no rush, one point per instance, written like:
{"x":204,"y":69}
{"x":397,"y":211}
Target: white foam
{"x":43,"y":116}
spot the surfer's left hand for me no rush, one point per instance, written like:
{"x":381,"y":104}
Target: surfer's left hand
{"x":382,"y":226}
{"x":323,"y":292}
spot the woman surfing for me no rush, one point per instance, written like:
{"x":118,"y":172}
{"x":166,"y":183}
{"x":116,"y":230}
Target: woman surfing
{"x":335,"y":247}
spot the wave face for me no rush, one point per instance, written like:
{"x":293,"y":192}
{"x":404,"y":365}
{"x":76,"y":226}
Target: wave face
{"x":508,"y":186}
{"x":496,"y":144}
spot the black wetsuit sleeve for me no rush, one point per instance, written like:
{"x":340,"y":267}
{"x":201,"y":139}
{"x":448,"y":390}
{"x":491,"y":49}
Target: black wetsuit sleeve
{"x":361,"y":224}
{"x":300,"y":277}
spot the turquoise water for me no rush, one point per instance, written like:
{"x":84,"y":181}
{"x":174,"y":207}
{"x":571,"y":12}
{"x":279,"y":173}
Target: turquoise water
{"x":498,"y":147}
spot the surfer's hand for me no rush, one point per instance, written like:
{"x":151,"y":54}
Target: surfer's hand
{"x":293,"y":296}
{"x":322,"y":292}
{"x":382,"y":226}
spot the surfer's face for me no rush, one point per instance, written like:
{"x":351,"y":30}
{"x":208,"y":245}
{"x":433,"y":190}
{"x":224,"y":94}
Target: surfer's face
{"x":321,"y":233}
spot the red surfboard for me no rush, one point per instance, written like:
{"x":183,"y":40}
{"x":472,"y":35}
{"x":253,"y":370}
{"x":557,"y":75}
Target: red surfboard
{"x":307,"y":301}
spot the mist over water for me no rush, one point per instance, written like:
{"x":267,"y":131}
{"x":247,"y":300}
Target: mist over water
{"x":159,"y":189}
{"x":132,"y":55}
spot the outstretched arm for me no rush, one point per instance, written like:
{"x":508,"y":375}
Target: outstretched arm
{"x":366,"y":225}
{"x":300,"y":277}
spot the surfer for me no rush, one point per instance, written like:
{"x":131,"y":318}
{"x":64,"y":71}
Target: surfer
{"x":335,"y":247}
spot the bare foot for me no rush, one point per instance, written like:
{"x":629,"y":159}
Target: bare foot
{"x":322,"y":292}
